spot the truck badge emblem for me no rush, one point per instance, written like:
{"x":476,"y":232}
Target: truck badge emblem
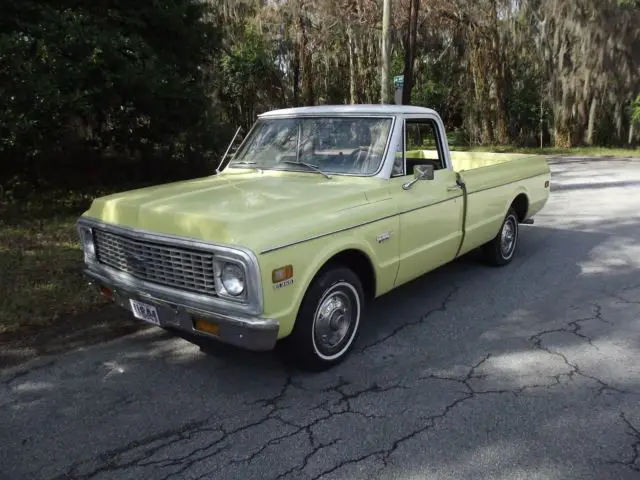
{"x":383,"y":237}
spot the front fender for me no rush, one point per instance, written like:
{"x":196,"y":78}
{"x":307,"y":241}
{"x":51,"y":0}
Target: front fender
{"x":282,"y":302}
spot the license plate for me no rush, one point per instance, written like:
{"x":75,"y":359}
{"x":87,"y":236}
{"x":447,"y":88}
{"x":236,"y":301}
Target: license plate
{"x":145,"y":312}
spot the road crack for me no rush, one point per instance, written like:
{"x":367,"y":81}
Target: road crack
{"x":425,"y":423}
{"x":634,"y":461}
{"x":574,"y":328}
{"x":423,"y":318}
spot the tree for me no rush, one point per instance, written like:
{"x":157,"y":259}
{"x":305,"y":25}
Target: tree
{"x":89,"y":88}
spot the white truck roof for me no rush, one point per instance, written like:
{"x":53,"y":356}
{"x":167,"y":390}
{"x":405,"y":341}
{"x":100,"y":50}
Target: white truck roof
{"x":349,"y":109}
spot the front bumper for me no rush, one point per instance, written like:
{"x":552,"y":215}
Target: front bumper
{"x":248,"y":332}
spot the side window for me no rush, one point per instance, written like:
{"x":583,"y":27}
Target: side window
{"x":422,"y":145}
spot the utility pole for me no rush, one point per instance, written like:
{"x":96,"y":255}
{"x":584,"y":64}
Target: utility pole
{"x":386,"y":57}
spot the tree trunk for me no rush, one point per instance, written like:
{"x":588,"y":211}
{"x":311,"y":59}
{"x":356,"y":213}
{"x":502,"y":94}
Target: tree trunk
{"x":409,"y":51}
{"x":541,"y":123}
{"x":631,"y":132}
{"x":499,"y":69}
{"x":296,"y":75}
{"x":592,"y":120}
{"x":361,"y":68}
{"x":618,"y":121}
{"x":306,"y":60}
{"x":490,"y":132}
{"x":352,"y":68}
{"x":386,"y":57}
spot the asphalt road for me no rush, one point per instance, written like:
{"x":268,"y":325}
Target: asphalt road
{"x":530,"y":371}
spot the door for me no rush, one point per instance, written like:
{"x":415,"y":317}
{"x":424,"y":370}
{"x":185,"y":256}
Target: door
{"x":430,"y":210}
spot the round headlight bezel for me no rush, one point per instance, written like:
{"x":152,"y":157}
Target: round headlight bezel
{"x":233,"y":279}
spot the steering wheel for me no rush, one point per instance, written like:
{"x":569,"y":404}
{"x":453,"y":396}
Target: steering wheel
{"x":354,"y":154}
{"x":370,"y":152}
{"x":357,"y":165}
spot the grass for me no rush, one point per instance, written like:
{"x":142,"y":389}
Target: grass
{"x":40,"y":274}
{"x":46,"y":303}
{"x":578,"y":151}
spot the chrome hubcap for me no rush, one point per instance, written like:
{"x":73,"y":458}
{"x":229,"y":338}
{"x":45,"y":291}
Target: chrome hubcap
{"x":508,"y":237}
{"x":333,"y":319}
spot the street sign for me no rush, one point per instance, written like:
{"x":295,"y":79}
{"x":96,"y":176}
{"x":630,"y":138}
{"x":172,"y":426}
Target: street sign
{"x":398,"y":81}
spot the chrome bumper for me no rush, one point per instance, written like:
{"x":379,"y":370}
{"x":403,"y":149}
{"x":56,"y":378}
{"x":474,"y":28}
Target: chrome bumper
{"x":248,"y":332}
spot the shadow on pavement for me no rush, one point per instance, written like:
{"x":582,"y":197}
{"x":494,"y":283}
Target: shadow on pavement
{"x":470,"y":372}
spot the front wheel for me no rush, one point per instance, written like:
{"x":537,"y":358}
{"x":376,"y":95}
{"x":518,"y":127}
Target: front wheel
{"x":501,"y":250}
{"x":328,"y":322}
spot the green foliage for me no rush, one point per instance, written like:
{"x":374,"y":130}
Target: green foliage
{"x":246,"y":71}
{"x":95,"y":92}
{"x":636,"y":110}
{"x":430,"y":94}
{"x":525,"y":100}
{"x":92,"y":89}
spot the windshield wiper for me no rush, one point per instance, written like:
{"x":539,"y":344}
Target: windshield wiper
{"x":309,"y":166}
{"x":245,"y":162}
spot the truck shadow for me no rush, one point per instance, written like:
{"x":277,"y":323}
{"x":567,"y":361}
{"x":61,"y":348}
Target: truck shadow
{"x":463,"y":290}
{"x":476,"y":288}
{"x":593,"y":186}
{"x":591,"y":160}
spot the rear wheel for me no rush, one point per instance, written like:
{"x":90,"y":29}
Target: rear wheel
{"x":501,"y":250}
{"x":328,"y":321}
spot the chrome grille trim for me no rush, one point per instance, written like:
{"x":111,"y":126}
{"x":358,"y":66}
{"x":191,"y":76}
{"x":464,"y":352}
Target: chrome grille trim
{"x":158,"y":263}
{"x":252,"y":304}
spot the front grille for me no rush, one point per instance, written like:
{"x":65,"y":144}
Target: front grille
{"x":171,"y":266}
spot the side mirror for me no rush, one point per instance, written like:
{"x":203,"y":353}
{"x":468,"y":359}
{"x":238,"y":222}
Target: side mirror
{"x":423,"y":172}
{"x":420,"y":172}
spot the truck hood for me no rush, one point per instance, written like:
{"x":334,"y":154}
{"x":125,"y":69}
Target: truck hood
{"x":251,"y":209}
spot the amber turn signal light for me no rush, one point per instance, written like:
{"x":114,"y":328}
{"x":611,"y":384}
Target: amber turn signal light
{"x":281,"y":274}
{"x":206,"y":326}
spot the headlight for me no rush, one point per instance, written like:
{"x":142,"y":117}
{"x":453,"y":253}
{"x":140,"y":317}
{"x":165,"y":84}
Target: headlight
{"x":86,"y":241}
{"x":233,"y":279}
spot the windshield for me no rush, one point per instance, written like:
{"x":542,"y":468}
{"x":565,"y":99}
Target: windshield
{"x":341,"y":145}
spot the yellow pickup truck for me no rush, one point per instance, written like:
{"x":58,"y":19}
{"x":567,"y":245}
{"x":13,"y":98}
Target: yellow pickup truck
{"x":319,"y":211}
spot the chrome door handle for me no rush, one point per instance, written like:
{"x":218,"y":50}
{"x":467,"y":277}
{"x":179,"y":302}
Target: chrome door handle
{"x":453,"y":188}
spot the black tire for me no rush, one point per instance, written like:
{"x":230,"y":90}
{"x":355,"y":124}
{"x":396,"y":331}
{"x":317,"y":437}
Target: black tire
{"x":499,"y":251}
{"x":306,"y":347}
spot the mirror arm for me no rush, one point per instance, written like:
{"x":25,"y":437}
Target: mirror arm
{"x":408,"y":185}
{"x":419,"y":175}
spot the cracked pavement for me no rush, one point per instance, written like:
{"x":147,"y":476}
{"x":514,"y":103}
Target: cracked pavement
{"x":529,"y":371}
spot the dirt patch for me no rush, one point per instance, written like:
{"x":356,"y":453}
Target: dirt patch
{"x":46,"y":304}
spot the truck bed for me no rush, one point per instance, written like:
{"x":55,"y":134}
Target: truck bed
{"x":484,"y":170}
{"x":492,"y":181}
